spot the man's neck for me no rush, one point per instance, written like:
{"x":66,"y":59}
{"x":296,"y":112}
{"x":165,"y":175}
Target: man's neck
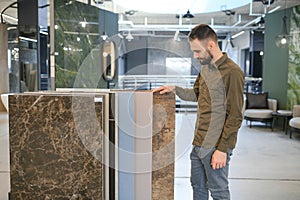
{"x":217,"y":56}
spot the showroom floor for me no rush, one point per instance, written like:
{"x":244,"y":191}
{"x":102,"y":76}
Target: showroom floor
{"x":265,"y":164}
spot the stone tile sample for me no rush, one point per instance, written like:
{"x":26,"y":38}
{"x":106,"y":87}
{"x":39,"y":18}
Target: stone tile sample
{"x":163,"y":146}
{"x":146,"y":132}
{"x":55,"y":147}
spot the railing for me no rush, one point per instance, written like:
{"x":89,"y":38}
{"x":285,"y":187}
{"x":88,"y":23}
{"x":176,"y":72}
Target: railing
{"x":149,"y":82}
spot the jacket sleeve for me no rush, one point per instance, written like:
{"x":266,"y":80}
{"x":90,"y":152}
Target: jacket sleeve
{"x":186,"y":94}
{"x":234,"y":105}
{"x":189,"y":94}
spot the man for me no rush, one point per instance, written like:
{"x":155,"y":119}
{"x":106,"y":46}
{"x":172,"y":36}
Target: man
{"x":218,"y":90}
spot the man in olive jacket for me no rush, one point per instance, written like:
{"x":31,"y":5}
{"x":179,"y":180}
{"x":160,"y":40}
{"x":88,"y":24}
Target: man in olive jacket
{"x":218,"y":90}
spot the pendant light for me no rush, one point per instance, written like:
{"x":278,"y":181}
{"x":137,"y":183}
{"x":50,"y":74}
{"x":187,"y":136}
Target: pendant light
{"x":283,"y":40}
{"x":188,"y":15}
{"x":104,"y":36}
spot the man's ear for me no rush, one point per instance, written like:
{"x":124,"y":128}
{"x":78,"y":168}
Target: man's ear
{"x":210,"y":45}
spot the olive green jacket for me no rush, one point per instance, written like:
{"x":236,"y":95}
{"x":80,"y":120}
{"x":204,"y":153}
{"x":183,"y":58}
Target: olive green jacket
{"x":218,"y":90}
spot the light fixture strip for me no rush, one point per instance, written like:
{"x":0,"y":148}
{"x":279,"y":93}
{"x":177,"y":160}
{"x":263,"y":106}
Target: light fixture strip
{"x":27,"y":39}
{"x":10,"y":17}
{"x":238,"y":34}
{"x":274,"y":9}
{"x":80,"y":33}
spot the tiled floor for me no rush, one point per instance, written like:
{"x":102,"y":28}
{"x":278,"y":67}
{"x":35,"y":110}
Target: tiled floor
{"x":265,"y":165}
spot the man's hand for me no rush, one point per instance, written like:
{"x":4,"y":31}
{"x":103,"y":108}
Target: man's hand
{"x":164,"y":89}
{"x":218,"y":159}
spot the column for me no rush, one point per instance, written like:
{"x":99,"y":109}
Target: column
{"x":4,"y":83}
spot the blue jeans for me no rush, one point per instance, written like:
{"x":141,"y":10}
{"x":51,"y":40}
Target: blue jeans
{"x":204,"y":178}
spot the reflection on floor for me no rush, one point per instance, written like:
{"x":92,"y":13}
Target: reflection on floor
{"x":265,"y":164}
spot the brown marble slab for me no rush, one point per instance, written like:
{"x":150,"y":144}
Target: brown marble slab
{"x":163,"y":146}
{"x":55,"y":147}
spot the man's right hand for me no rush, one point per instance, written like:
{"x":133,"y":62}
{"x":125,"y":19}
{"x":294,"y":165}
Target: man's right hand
{"x":165,"y":89}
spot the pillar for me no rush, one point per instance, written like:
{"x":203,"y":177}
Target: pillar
{"x":4,"y":80}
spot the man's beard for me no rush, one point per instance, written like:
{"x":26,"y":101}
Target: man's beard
{"x":207,"y":59}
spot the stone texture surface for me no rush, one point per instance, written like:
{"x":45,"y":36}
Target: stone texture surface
{"x":55,"y":147}
{"x":163,"y":146}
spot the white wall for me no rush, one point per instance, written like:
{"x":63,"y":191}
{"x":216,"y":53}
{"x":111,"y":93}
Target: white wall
{"x":241,"y":42}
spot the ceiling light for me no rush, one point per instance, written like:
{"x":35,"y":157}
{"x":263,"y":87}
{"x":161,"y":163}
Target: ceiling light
{"x":10,"y":17}
{"x":179,"y":6}
{"x":120,"y":36}
{"x":130,"y":12}
{"x":176,"y":36}
{"x":267,"y":1}
{"x":104,"y":36}
{"x":188,"y":15}
{"x":261,"y":53}
{"x":283,"y":39}
{"x":238,"y":34}
{"x":27,"y":39}
{"x":83,"y":24}
{"x":274,"y":9}
{"x":129,"y":37}
{"x":98,"y":1}
{"x":261,"y":22}
{"x":228,"y":12}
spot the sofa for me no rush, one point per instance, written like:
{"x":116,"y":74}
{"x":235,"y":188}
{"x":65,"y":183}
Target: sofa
{"x":295,"y":121}
{"x":258,"y":107}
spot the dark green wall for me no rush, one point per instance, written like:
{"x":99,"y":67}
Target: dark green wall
{"x":275,"y":63}
{"x":78,"y":59}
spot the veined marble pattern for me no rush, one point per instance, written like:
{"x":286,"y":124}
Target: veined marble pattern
{"x":55,"y":147}
{"x":146,"y":133}
{"x":163,"y":146}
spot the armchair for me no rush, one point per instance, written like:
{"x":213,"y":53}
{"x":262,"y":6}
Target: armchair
{"x":258,"y":107}
{"x":295,"y":121}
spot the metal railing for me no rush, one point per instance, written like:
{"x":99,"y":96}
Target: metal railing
{"x":149,"y":82}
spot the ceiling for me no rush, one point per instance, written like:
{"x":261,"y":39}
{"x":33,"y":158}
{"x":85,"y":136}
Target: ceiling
{"x":236,"y":19}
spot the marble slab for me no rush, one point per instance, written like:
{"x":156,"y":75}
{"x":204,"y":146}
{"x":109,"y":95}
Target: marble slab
{"x":163,"y":146}
{"x":146,"y":145}
{"x":55,"y":147}
{"x":58,"y":149}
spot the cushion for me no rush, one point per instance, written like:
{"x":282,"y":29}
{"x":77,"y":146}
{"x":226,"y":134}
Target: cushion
{"x":295,"y":122}
{"x":258,"y":113}
{"x":257,"y":101}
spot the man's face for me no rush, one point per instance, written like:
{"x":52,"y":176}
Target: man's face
{"x":201,"y":51}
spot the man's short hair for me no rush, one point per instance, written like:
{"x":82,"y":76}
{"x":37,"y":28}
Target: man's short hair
{"x":203,"y":32}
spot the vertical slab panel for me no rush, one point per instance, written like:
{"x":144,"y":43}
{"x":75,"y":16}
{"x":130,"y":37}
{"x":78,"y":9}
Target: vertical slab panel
{"x":163,"y":146}
{"x":143,"y":145}
{"x":55,"y":147}
{"x":4,"y":86}
{"x":126,"y":145}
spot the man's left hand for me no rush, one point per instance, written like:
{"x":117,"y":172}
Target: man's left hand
{"x":218,"y":159}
